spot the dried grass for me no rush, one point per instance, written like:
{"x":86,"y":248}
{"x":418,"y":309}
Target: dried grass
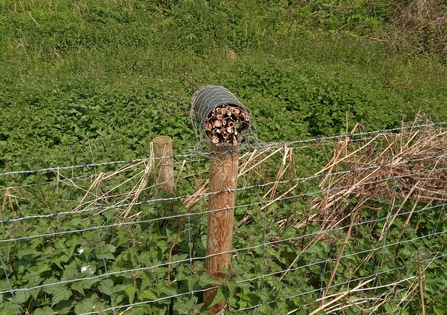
{"x":410,"y":165}
{"x":421,"y":24}
{"x":124,"y":187}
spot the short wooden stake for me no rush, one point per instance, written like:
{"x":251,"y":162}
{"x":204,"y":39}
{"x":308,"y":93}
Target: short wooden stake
{"x":163,"y":152}
{"x":223,"y":177}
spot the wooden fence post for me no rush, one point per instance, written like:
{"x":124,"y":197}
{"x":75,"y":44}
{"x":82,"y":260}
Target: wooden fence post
{"x":163,"y":150}
{"x":223,"y":177}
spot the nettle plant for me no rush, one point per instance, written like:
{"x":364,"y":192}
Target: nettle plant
{"x":78,"y":256}
{"x":68,"y":245}
{"x":88,"y":240}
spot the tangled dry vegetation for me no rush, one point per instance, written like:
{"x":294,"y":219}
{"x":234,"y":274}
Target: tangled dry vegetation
{"x":421,"y":24}
{"x":410,"y":165}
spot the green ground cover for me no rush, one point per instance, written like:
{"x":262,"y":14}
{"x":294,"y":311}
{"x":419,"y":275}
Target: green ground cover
{"x":95,"y":81}
{"x":79,"y":79}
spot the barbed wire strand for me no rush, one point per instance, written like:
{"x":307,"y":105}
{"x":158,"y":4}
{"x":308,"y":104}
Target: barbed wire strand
{"x":241,"y":281}
{"x":264,"y":244}
{"x":342,"y":284}
{"x":260,"y":146}
{"x":289,"y":239}
{"x":121,"y":224}
{"x":80,"y":178}
{"x":239,"y":250}
{"x":247,"y":308}
{"x":206,"y":194}
{"x":259,"y":203}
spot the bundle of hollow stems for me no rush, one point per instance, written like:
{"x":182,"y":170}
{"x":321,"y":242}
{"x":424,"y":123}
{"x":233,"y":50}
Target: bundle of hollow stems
{"x":226,"y":124}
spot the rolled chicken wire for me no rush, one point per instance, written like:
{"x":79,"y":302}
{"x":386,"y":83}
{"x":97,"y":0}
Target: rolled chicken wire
{"x":219,"y":116}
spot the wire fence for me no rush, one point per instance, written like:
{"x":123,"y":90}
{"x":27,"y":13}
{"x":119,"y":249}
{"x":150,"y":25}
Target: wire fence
{"x":352,"y":223}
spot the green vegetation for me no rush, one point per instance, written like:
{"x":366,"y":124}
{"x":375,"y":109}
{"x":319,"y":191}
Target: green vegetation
{"x":92,"y":81}
{"x":95,"y":80}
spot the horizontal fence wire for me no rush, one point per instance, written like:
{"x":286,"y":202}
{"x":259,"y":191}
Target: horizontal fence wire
{"x":275,"y":242}
{"x":257,"y":186}
{"x":258,"y":146}
{"x":359,"y":227}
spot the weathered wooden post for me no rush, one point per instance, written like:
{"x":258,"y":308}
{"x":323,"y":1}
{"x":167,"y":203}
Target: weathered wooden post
{"x":223,"y":182}
{"x":163,"y":153}
{"x":222,"y":119}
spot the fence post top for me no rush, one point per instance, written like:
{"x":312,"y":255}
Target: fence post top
{"x":162,"y":139}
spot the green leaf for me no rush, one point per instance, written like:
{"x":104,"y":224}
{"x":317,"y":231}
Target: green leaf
{"x":389,"y":308}
{"x":187,"y":305}
{"x":59,"y":260}
{"x":87,"y":305}
{"x":105,"y":286}
{"x":147,"y":282}
{"x":192,"y":280}
{"x":130,"y":291}
{"x":105,"y":251}
{"x":3,"y":284}
{"x":146,"y":309}
{"x":49,"y":289}
{"x":88,"y":283}
{"x":65,"y":307}
{"x":41,"y":267}
{"x":35,"y":292}
{"x":78,"y":286}
{"x":61,"y":293}
{"x":220,"y":297}
{"x":205,"y":279}
{"x":22,"y":296}
{"x":8,"y":308}
{"x":84,"y":306}
{"x":147,"y":294}
{"x":232,"y":285}
{"x":24,"y":251}
{"x":264,"y":309}
{"x":44,"y":311}
{"x":263,"y":295}
{"x":167,"y":291}
{"x":181,"y":308}
{"x":34,"y":278}
{"x":70,"y":272}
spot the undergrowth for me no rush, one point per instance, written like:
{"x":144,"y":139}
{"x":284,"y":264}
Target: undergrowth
{"x":80,"y":79}
{"x":96,"y":81}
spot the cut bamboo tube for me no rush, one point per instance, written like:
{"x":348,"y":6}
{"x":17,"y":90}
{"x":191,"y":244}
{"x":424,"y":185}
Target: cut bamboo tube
{"x":223,"y":180}
{"x":228,"y":110}
{"x":164,"y":152}
{"x":217,"y":123}
{"x":215,"y":139}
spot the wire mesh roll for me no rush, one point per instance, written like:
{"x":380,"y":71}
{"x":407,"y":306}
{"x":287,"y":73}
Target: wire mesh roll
{"x":219,"y":115}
